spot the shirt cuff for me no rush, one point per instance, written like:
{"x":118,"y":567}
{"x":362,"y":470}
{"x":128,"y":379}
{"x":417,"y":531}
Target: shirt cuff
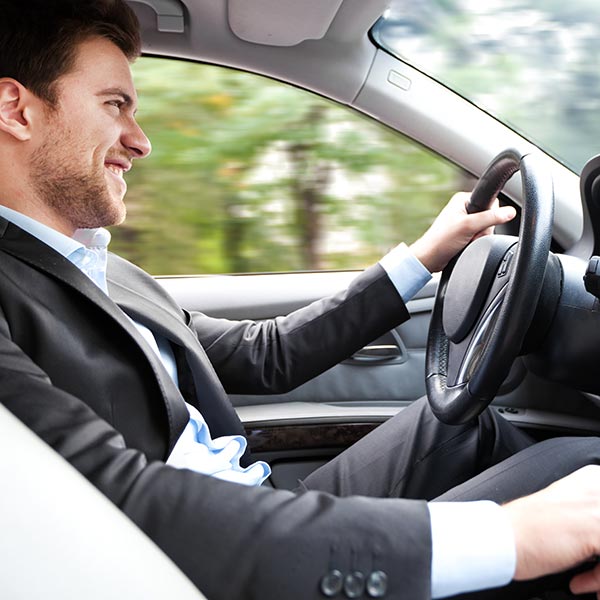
{"x":405,"y":271}
{"x":473,"y":547}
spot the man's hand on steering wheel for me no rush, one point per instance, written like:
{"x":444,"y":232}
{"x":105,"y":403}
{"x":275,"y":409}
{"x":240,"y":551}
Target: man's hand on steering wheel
{"x":454,"y":228}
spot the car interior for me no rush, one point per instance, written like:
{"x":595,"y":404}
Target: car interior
{"x":536,"y":368}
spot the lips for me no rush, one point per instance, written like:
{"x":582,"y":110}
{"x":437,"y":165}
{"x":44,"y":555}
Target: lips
{"x":117,"y":166}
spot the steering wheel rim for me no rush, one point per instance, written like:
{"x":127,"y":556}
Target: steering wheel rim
{"x":456,"y":404}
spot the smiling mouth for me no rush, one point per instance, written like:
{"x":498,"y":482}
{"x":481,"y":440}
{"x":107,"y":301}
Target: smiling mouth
{"x":117,"y":166}
{"x":116,"y":175}
{"x":118,"y":171}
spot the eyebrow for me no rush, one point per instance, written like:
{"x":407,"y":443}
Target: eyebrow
{"x":118,"y":92}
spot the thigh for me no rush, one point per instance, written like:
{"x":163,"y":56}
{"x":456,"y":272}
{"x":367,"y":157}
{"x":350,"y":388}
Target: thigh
{"x":528,"y":471}
{"x":524,"y":473}
{"x":413,"y":455}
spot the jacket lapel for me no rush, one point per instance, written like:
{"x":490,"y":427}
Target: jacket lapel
{"x":138,"y":295}
{"x":156,"y":317}
{"x":28,"y":248}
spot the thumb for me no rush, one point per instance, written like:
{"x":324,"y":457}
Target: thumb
{"x":587,"y":582}
{"x":494,"y":216}
{"x":488,"y":218}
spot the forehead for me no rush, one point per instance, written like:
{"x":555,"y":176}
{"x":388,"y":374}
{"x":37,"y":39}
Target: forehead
{"x":99,"y":64}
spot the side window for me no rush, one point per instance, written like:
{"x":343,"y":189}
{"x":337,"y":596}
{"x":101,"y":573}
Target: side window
{"x":252,"y":175}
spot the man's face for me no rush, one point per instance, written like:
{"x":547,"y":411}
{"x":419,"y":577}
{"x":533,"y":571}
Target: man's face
{"x":89,"y":140}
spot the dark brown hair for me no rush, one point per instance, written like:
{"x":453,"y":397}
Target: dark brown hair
{"x":39,"y":38}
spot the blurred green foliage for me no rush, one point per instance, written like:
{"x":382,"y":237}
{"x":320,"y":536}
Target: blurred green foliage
{"x":532,"y":63}
{"x":252,"y":175}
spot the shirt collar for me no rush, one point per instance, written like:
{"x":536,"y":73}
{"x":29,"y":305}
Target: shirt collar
{"x":96,"y":238}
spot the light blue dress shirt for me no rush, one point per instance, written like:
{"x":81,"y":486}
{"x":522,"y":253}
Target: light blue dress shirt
{"x":477,"y":534}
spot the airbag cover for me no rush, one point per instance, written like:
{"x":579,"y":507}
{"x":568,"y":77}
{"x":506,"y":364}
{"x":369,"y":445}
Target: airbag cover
{"x":471,"y":280}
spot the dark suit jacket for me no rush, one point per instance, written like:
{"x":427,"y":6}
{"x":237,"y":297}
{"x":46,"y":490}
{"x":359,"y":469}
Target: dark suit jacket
{"x":73,"y":368}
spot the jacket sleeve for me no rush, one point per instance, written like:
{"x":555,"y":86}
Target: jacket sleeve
{"x":230,"y":540}
{"x":276,"y":355}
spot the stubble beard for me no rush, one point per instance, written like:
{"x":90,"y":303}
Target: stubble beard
{"x":82,"y":199}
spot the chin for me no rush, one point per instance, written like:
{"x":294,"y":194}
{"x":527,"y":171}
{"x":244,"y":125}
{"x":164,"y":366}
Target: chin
{"x":119,"y":215}
{"x":112,"y":212}
{"x":116,"y":203}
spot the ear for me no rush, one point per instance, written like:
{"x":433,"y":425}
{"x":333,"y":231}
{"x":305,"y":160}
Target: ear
{"x":15,"y":109}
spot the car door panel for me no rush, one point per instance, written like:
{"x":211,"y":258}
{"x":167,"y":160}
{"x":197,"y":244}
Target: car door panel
{"x":298,"y":431}
{"x":389,"y":369}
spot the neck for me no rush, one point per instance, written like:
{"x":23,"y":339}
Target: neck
{"x":17,"y":192}
{"x":38,"y":211}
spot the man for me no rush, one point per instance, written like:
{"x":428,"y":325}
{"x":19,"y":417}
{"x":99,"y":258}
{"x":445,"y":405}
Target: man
{"x":110,"y":372}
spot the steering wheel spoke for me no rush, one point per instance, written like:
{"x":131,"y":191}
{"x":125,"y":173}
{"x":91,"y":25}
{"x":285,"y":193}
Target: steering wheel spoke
{"x":479,"y":339}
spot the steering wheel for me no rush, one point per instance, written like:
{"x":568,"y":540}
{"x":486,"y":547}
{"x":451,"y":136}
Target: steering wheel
{"x":487,"y":296}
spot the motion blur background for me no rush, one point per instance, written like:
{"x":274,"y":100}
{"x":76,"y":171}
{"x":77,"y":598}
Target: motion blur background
{"x":253,"y":175}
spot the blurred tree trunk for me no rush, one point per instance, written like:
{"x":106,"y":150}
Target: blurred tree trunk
{"x":310,"y":177}
{"x":234,"y":233}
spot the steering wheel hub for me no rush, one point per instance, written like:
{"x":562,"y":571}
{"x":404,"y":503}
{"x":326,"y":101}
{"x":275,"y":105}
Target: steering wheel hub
{"x":475,"y":272}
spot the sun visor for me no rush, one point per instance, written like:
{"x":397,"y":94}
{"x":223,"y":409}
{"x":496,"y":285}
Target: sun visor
{"x":290,"y":22}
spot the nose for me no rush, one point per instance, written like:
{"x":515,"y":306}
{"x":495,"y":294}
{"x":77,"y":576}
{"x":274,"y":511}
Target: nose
{"x":136,"y":141}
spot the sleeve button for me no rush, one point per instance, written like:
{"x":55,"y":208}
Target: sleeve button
{"x":377,"y":584}
{"x":354,"y":584}
{"x":332,"y":583}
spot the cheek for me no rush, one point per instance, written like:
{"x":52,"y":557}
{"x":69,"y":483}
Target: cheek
{"x":87,"y":141}
{"x":96,"y":131}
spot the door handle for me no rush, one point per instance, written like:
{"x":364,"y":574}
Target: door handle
{"x":378,"y":353}
{"x":386,"y":349}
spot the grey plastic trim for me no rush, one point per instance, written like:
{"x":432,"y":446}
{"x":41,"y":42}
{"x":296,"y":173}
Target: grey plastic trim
{"x":245,"y":296}
{"x":547,"y":420}
{"x":308,"y":412}
{"x":420,"y":305}
{"x":169,"y":13}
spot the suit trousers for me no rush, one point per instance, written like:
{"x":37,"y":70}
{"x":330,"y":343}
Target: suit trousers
{"x":413,"y":455}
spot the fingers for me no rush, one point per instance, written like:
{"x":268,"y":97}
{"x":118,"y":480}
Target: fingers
{"x":481,"y":223}
{"x":454,"y":228}
{"x":558,"y":528}
{"x":586,"y":583}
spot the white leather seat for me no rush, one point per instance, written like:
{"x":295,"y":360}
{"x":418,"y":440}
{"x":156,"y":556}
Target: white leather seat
{"x":60,"y":539}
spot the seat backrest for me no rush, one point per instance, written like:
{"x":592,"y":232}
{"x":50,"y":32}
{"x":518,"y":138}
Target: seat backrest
{"x":60,"y":539}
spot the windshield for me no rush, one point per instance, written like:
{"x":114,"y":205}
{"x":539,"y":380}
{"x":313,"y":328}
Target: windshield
{"x":533,"y":64}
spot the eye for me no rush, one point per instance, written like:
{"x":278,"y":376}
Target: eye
{"x":116,"y":103}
